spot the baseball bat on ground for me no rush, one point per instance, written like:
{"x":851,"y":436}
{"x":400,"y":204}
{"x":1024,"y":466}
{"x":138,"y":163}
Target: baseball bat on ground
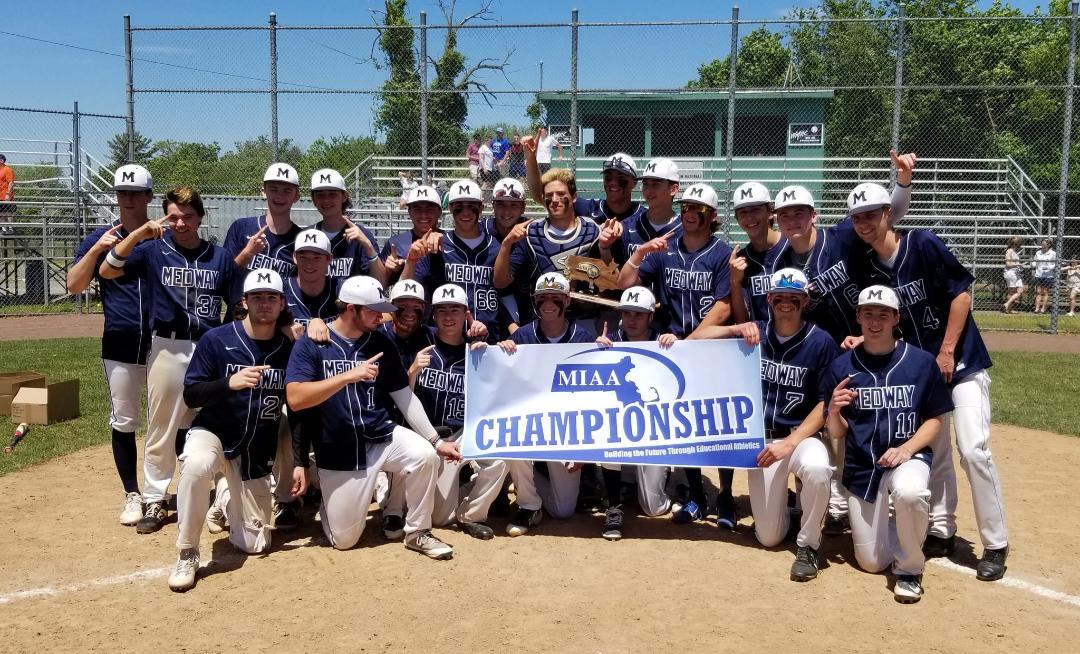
{"x":20,"y":433}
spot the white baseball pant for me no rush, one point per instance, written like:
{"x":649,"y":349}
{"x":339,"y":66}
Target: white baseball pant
{"x":768,"y":495}
{"x":166,"y":367}
{"x":557,"y":492}
{"x":126,"y":382}
{"x":346,"y":494}
{"x":283,"y":463}
{"x":971,"y":419}
{"x":838,"y":495}
{"x":651,"y":488}
{"x":249,"y":515}
{"x":880,"y":541}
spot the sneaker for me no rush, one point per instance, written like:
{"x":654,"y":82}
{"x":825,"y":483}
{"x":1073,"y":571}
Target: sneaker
{"x":153,"y":518}
{"x":613,"y":523}
{"x":521,"y":522}
{"x":393,"y":527}
{"x":805,"y":566}
{"x":187,"y":565}
{"x":477,"y":530}
{"x":682,"y":496}
{"x":688,"y":513}
{"x":936,"y":547}
{"x":834,"y":525}
{"x":427,"y":544}
{"x":992,"y":565}
{"x":287,"y":516}
{"x":133,"y":509}
{"x":908,"y":589}
{"x":727,"y":515}
{"x":216,"y":522}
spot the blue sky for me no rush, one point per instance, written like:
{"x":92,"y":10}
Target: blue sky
{"x":42,"y":75}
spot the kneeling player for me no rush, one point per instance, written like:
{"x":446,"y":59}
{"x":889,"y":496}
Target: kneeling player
{"x":237,"y":373}
{"x":887,"y":399}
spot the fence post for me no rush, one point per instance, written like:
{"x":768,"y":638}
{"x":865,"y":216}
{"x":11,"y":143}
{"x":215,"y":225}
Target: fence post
{"x":573,"y":89}
{"x":273,"y":89}
{"x":423,"y":99}
{"x":1066,"y":143}
{"x":729,"y":141}
{"x":130,"y":61}
{"x":898,"y":87}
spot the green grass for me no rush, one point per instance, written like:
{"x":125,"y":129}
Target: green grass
{"x":989,"y":320}
{"x":59,"y":306}
{"x":1036,"y":390}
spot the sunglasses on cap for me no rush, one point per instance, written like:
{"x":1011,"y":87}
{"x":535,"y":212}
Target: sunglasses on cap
{"x":508,"y":194}
{"x":619,"y":166}
{"x":690,"y":207}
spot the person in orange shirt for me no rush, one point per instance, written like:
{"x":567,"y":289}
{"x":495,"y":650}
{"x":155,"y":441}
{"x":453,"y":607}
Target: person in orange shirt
{"x":7,"y":190}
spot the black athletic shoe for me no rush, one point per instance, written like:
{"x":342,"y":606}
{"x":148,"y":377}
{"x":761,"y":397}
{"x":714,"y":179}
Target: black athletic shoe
{"x":992,"y":565}
{"x":726,"y":512}
{"x":937,"y":547}
{"x":287,"y":516}
{"x":613,"y":523}
{"x":522,"y":521}
{"x":393,"y":527}
{"x":835,"y":525}
{"x":805,"y":566}
{"x":153,"y":518}
{"x":477,"y":530}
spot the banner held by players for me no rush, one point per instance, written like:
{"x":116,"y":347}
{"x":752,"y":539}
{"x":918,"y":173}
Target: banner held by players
{"x":697,"y":404}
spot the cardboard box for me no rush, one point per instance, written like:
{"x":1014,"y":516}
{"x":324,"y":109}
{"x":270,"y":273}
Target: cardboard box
{"x":11,"y":382}
{"x":43,"y":406}
{"x":5,"y":405}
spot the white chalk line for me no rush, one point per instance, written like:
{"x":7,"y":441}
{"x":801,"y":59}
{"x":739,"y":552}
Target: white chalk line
{"x":53,"y":591}
{"x":1013,"y":582}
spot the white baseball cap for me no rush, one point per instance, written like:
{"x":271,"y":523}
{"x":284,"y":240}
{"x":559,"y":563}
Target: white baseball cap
{"x":789,"y":280}
{"x":623,"y":163}
{"x":793,"y":196}
{"x":637,"y":298}
{"x":132,"y":177}
{"x":423,"y":193}
{"x":281,"y":172}
{"x":366,"y":292}
{"x":552,"y":284}
{"x":879,"y":296}
{"x":661,"y":168}
{"x":508,"y":189}
{"x":464,"y":190}
{"x":407,"y":288}
{"x":867,"y":197}
{"x":327,"y":178}
{"x":312,"y":239}
{"x":750,"y":194}
{"x":263,"y":279}
{"x":449,"y":294}
{"x":701,"y":193}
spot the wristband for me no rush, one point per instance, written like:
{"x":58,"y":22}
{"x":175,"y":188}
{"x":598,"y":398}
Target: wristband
{"x":114,"y":260}
{"x":632,"y":264}
{"x":908,"y":185}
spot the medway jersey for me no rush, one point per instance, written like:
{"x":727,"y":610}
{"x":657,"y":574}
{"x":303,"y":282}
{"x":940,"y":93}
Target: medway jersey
{"x":791,"y":374}
{"x":410,"y":346}
{"x":306,"y":307}
{"x":619,"y":336}
{"x":399,"y":244}
{"x":441,"y":386}
{"x":470,"y":267}
{"x":687,"y":283}
{"x":639,"y":230}
{"x":349,"y":258}
{"x":541,"y":251}
{"x":927,"y":277}
{"x":531,"y":334}
{"x":756,"y":282}
{"x":188,"y":287}
{"x":358,"y":414}
{"x":246,"y":421}
{"x":895,"y":394}
{"x":599,"y":210}
{"x":277,"y":256}
{"x":126,"y":304}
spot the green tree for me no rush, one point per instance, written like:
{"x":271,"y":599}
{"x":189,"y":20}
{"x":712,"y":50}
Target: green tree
{"x":342,"y":153}
{"x":762,"y":62}
{"x":398,"y":115}
{"x":118,"y":149}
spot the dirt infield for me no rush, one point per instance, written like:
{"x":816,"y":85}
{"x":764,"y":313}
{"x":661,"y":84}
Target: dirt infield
{"x":71,"y":578}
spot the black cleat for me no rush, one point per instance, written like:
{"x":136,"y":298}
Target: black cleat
{"x":805,"y":566}
{"x":287,"y":516}
{"x":153,"y":519}
{"x":992,"y":566}
{"x":937,"y":547}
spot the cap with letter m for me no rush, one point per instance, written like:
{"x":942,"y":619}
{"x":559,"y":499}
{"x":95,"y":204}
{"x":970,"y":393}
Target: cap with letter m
{"x":701,"y":193}
{"x":793,"y":196}
{"x":867,"y":197}
{"x":407,"y":289}
{"x":637,"y":298}
{"x":132,"y":177}
{"x":366,"y":292}
{"x":449,"y":294}
{"x":327,"y":178}
{"x":281,"y":172}
{"x":508,"y":189}
{"x":661,"y":168}
{"x":789,"y":280}
{"x":263,"y":279}
{"x":879,"y":296}
{"x":750,"y":194}
{"x":464,"y":190}
{"x":552,"y":284}
{"x":421,"y":194}
{"x":314,"y":240}
{"x":622,"y":163}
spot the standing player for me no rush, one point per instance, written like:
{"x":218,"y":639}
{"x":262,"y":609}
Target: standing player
{"x":659,"y":186}
{"x":190,"y":279}
{"x":886,"y":398}
{"x":619,"y":178}
{"x":267,"y":241}
{"x":749,"y":277}
{"x":353,"y":379}
{"x":237,"y":378}
{"x":125,"y":341}
{"x":935,"y":315}
{"x":635,"y":308}
{"x":354,"y":247}
{"x":507,"y":208}
{"x":312,"y":294}
{"x":425,"y":210}
{"x":794,"y":356}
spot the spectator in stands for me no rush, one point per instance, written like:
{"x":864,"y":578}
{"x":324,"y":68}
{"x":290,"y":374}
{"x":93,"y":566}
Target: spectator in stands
{"x":7,"y":194}
{"x":1073,"y":282}
{"x":407,"y":184}
{"x":500,"y":148}
{"x":517,"y":158}
{"x":544,"y":144}
{"x":1045,"y":270}
{"x":487,"y":164}
{"x":1014,"y":273}
{"x":473,"y":154}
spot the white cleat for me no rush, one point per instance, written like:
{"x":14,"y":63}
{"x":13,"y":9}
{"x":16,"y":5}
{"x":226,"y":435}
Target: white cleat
{"x":187,"y":565}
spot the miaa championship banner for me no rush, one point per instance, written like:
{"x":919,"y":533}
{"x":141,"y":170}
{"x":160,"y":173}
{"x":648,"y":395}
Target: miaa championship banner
{"x":695,"y":404}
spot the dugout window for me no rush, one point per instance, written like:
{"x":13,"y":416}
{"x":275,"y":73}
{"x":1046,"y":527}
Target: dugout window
{"x":760,"y":136}
{"x":684,"y":136}
{"x":617,"y":134}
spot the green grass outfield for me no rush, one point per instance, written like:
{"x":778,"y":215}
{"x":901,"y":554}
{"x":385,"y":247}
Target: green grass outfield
{"x":1028,"y":322}
{"x":1029,"y":389}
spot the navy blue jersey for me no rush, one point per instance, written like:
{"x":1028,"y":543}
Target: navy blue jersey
{"x":531,"y":334}
{"x":487,"y":225}
{"x":599,"y":210}
{"x":349,"y":258}
{"x":305,"y":307}
{"x":246,"y":421}
{"x":686,"y":283}
{"x":756,"y":282}
{"x":409,"y":347}
{"x":399,"y":244}
{"x":126,"y":303}
{"x":927,"y":277}
{"x":791,"y":375}
{"x":441,"y":386}
{"x":358,"y":414}
{"x":188,"y":287}
{"x":542,"y":252}
{"x":468,"y":267}
{"x":619,"y":336}
{"x":895,"y":394}
{"x":637,"y":231}
{"x":278,"y":254}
